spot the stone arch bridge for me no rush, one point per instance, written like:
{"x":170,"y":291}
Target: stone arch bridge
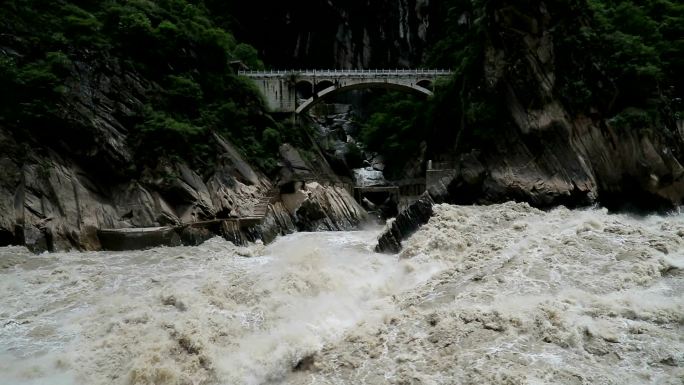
{"x":297,"y":91}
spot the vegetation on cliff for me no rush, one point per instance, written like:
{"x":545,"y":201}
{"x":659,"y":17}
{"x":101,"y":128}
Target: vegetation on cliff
{"x":159,"y":74}
{"x":394,"y":128}
{"x":175,"y":51}
{"x":618,"y":61}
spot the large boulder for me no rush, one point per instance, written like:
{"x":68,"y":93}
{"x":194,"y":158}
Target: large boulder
{"x":405,"y":224}
{"x":327,"y":208}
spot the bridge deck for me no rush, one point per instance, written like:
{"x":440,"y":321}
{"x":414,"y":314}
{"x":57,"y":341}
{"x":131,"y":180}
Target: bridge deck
{"x":369,"y":72}
{"x":284,"y":90}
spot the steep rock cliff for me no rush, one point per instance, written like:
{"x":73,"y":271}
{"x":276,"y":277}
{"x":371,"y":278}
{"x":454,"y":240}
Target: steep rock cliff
{"x":540,"y":147}
{"x":338,"y":34}
{"x":547,"y":152}
{"x":59,"y":188}
{"x":543,"y":150}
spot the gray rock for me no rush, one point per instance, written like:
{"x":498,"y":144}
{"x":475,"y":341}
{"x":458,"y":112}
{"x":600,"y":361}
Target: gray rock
{"x":137,"y":206}
{"x":63,"y":192}
{"x":328,"y":208}
{"x":389,"y":33}
{"x":368,"y":177}
{"x":551,"y":155}
{"x":233,"y":158}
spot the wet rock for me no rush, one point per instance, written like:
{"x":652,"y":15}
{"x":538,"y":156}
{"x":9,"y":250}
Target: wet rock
{"x":195,"y":236}
{"x":405,"y":224}
{"x":277,"y":221}
{"x":173,"y":301}
{"x":305,"y":364}
{"x":328,"y":208}
{"x":36,"y":239}
{"x":238,"y":233}
{"x":309,"y":213}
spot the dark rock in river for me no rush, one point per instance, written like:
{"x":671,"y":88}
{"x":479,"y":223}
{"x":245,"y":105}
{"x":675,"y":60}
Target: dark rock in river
{"x":405,"y":224}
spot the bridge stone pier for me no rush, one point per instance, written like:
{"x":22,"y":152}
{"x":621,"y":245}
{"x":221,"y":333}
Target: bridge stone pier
{"x":297,"y":91}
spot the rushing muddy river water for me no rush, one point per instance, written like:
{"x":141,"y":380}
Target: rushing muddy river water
{"x":503,"y":294}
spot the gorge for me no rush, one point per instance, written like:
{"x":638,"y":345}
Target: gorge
{"x":341,"y":192}
{"x":80,"y":112}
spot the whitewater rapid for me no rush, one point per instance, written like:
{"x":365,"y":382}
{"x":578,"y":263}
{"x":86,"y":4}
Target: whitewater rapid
{"x":502,"y":294}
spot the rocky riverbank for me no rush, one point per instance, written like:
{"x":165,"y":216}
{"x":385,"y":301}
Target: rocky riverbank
{"x":49,"y":202}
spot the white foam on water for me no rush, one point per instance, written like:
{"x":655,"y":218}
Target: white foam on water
{"x":201,"y":315}
{"x":528,"y":297}
{"x":502,"y":294}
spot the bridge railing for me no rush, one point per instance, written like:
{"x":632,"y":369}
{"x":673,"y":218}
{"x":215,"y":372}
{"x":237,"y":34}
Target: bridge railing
{"x":397,"y":72}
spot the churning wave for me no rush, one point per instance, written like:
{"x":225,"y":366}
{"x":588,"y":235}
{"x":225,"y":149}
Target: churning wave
{"x":501,"y":294}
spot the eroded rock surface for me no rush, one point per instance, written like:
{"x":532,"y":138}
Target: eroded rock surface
{"x":546,"y":152}
{"x":57,"y":192}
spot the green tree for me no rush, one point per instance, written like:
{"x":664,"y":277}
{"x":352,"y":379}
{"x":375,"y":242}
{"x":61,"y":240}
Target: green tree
{"x":177,"y":49}
{"x":395,"y":129}
{"x":248,"y":55}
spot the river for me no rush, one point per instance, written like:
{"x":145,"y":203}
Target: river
{"x":501,"y":294}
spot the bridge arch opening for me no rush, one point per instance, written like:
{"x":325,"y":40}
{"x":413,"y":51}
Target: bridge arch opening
{"x":304,"y":89}
{"x":427,"y":84}
{"x":323,"y":85}
{"x":324,"y":94}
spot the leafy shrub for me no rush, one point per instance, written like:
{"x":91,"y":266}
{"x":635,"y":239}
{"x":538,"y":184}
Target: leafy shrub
{"x":395,"y":129}
{"x":248,"y":55}
{"x":177,"y":44}
{"x":183,"y":95}
{"x":631,"y":118}
{"x":81,"y":26}
{"x":271,"y":139}
{"x":619,"y":54}
{"x":166,"y":137}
